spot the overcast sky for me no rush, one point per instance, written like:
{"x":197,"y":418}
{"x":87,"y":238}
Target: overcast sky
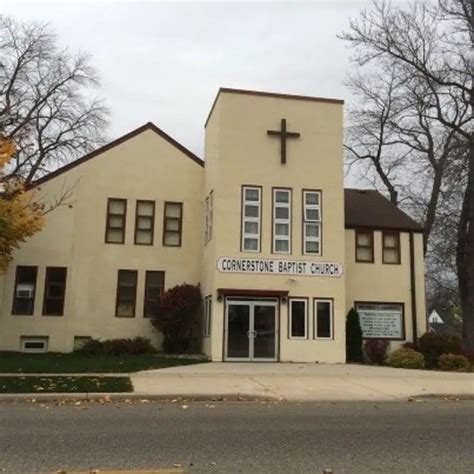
{"x":164,"y":61}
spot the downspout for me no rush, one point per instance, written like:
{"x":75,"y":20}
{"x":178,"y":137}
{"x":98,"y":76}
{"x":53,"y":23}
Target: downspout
{"x":413,"y":289}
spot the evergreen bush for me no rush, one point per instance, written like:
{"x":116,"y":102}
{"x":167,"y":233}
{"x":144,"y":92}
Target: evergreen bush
{"x":353,"y":337}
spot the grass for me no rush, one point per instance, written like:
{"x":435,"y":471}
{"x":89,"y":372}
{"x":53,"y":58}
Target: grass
{"x":53,"y":363}
{"x":58,"y":384}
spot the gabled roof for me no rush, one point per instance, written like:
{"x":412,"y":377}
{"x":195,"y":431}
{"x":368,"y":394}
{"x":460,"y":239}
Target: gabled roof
{"x":114,"y":143}
{"x":367,"y":208}
{"x":269,"y":94}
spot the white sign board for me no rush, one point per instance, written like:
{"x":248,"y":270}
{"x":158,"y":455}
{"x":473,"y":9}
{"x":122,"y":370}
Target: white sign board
{"x":267,"y":266}
{"x":381,"y":321}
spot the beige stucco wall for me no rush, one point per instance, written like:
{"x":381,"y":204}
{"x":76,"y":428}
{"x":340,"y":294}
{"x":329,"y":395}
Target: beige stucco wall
{"x":238,"y":152}
{"x":379,"y":282}
{"x":144,"y":167}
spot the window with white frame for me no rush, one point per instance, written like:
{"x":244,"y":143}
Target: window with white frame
{"x":312,"y":222}
{"x":209,"y":211}
{"x":34,"y":343}
{"x":323,"y":318}
{"x":251,"y":218}
{"x":207,"y":316}
{"x":281,"y":221}
{"x":298,"y":308}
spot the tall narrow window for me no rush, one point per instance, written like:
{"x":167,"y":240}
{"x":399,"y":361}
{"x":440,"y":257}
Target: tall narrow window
{"x":25,"y":290}
{"x":312,"y":222}
{"x":323,"y":319}
{"x":126,"y":293}
{"x":364,"y":246}
{"x":173,"y":224}
{"x":154,"y":285}
{"x":209,"y":217}
{"x":116,"y":217}
{"x":144,"y":222}
{"x":391,"y":247}
{"x":207,"y":316}
{"x":298,"y":318}
{"x":281,"y":221}
{"x":54,"y":291}
{"x":251,"y":218}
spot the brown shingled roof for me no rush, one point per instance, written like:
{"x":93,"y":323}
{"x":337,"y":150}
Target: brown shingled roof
{"x":368,"y":208}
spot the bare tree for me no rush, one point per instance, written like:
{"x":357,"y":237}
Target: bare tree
{"x":432,"y":46}
{"x":47,"y":105}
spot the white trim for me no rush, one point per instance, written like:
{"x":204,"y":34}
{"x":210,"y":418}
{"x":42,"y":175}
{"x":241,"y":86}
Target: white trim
{"x":251,"y":219}
{"x":279,"y":220}
{"x":290,"y":318}
{"x":331,"y":318}
{"x":312,"y":222}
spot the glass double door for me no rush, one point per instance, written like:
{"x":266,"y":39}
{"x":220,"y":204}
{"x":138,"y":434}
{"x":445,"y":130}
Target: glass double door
{"x":251,"y":330}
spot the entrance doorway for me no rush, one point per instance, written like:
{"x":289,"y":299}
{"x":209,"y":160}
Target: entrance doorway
{"x":251,"y":330}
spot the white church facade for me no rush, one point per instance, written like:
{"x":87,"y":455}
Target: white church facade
{"x":263,"y":223}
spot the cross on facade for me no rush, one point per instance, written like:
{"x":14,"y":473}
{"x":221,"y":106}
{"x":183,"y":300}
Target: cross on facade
{"x":283,"y":133}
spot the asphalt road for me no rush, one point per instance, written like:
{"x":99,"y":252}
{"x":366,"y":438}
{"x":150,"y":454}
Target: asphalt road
{"x":395,"y":437}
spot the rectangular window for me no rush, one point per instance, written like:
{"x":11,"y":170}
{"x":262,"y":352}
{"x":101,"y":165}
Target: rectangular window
{"x":126,"y":294}
{"x":173,"y":224}
{"x":281,"y":221}
{"x":251,"y":218}
{"x":323,"y":319}
{"x":207,"y":316}
{"x":116,"y":218}
{"x":312,"y":222}
{"x":391,"y":247}
{"x":298,"y":308}
{"x":144,"y":222}
{"x":25,"y":290}
{"x":209,"y":217}
{"x":54,"y":291}
{"x":154,"y":286}
{"x":34,"y":343}
{"x":364,"y":240}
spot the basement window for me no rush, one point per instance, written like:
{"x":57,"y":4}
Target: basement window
{"x":34,"y":344}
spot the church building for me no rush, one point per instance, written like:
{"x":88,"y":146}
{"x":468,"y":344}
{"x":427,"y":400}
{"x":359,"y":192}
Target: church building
{"x":263,"y":223}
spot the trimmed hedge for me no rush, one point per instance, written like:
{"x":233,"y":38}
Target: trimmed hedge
{"x":406,"y":359}
{"x":454,"y":363}
{"x":127,"y":346}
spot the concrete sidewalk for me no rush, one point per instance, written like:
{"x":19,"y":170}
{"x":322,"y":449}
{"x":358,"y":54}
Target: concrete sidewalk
{"x":301,"y":382}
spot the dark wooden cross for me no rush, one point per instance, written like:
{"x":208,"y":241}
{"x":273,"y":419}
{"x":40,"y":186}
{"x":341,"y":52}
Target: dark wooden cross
{"x":283,"y":133}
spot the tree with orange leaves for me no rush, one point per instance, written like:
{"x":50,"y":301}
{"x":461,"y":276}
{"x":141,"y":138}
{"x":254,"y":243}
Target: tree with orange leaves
{"x":20,"y":215}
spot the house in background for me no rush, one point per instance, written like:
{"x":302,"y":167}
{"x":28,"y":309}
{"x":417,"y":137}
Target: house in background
{"x":281,"y":250}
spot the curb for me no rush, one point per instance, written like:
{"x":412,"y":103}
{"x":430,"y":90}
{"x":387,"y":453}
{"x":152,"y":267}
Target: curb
{"x":53,"y":397}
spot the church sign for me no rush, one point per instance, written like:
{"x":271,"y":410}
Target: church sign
{"x":381,"y":320}
{"x":265,"y":266}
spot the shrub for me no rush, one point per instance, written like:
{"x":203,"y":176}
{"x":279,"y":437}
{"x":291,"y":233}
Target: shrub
{"x":353,"y":337}
{"x":91,"y":347}
{"x":140,"y":345}
{"x":433,"y":344}
{"x":137,"y":345}
{"x":376,"y":350}
{"x":453,"y":362}
{"x":406,"y":359}
{"x":176,"y":313}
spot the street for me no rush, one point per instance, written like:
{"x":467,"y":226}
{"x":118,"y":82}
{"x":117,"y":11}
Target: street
{"x":418,"y":436}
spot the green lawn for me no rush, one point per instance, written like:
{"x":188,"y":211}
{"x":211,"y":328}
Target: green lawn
{"x":32,"y":384}
{"x":51,"y":363}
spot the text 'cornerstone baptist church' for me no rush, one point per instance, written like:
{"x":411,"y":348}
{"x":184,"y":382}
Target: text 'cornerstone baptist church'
{"x":281,"y":250}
